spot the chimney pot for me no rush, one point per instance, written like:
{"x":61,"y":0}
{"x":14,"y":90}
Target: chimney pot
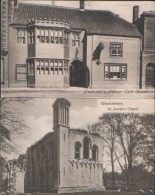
{"x":135,"y":13}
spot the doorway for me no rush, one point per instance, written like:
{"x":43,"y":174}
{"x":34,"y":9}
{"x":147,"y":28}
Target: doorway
{"x":79,"y":74}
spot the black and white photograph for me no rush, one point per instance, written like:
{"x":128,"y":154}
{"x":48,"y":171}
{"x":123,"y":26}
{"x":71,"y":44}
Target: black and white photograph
{"x":67,"y":46}
{"x":77,"y":146}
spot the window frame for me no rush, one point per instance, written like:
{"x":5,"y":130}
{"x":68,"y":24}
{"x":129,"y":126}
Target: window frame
{"x":31,"y":36}
{"x":107,"y":73}
{"x":55,"y":67}
{"x":77,"y":145}
{"x":95,"y":149}
{"x":21,"y":73}
{"x":21,"y":36}
{"x":52,"y":36}
{"x":121,"y":49}
{"x":75,"y":39}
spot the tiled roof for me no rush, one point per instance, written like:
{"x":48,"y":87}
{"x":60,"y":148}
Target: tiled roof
{"x":93,"y":21}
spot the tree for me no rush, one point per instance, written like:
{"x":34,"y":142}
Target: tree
{"x":10,"y":123}
{"x":106,"y":127}
{"x":131,"y":134}
{"x":124,"y":136}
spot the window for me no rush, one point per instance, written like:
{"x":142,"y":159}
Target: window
{"x":31,"y":68}
{"x":21,"y":38}
{"x":86,"y":147}
{"x":52,"y":67}
{"x":116,"y":49}
{"x":66,"y":36}
{"x":77,"y":150}
{"x":21,"y":72}
{"x":31,"y":34}
{"x":95,"y":153}
{"x":115,"y":71}
{"x":76,"y":39}
{"x":52,"y":36}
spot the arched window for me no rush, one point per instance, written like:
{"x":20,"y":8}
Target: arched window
{"x":86,"y":146}
{"x":77,"y":150}
{"x":94,"y":153}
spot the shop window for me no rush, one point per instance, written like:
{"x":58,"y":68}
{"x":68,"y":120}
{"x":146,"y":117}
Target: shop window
{"x":76,"y":39}
{"x":115,"y":71}
{"x":21,"y":72}
{"x":21,"y":36}
{"x":77,"y":150}
{"x":116,"y":49}
{"x":95,"y":153}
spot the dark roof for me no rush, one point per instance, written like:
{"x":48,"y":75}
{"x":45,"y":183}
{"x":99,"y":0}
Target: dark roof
{"x":93,"y":21}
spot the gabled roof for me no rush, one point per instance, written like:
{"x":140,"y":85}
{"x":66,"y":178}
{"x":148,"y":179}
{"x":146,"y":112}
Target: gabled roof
{"x":93,"y":21}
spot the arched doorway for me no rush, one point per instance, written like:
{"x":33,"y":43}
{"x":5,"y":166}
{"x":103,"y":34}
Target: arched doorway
{"x":79,"y":74}
{"x":150,"y":75}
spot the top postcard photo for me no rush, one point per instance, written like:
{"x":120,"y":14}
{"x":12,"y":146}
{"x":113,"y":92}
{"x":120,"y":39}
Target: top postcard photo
{"x":59,"y":47}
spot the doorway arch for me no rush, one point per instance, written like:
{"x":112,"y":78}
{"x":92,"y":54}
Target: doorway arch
{"x":79,"y":74}
{"x":150,"y":75}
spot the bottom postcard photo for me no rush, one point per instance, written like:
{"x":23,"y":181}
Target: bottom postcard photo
{"x":77,"y":146}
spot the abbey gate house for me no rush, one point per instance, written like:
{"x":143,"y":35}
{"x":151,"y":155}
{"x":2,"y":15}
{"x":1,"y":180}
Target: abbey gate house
{"x":50,"y":46}
{"x":65,"y":160}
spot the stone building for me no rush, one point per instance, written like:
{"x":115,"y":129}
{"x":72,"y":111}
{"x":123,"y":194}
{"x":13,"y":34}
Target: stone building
{"x":65,"y":160}
{"x":54,"y":46}
{"x":146,"y":26}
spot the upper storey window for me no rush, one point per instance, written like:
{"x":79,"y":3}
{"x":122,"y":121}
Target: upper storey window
{"x":76,"y":39}
{"x":86,"y":148}
{"x":31,"y":35}
{"x":56,"y":36}
{"x":116,"y":49}
{"x":95,"y":153}
{"x":77,"y":150}
{"x":21,"y":36}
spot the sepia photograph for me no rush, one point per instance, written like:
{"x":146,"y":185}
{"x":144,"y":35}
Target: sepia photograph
{"x":77,"y":146}
{"x":67,"y":46}
{"x":77,"y":107}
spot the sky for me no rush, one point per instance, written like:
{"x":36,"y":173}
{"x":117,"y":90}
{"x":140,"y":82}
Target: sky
{"x":123,"y":8}
{"x":38,"y":115}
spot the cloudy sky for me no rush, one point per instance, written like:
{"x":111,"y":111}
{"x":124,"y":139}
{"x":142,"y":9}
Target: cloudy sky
{"x":122,"y":8}
{"x":38,"y":115}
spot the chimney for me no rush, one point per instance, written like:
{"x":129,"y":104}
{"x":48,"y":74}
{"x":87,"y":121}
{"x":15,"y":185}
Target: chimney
{"x":135,"y":13}
{"x":81,"y":4}
{"x":15,"y":3}
{"x":53,"y":2}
